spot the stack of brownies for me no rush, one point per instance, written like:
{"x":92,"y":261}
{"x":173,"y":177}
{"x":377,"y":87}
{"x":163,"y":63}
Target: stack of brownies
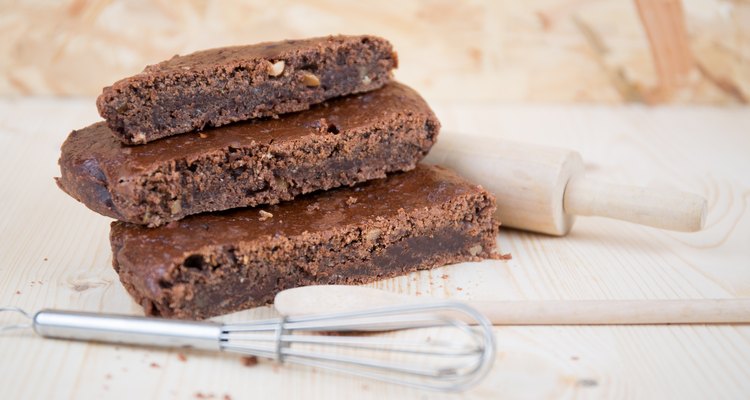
{"x":242,"y":171}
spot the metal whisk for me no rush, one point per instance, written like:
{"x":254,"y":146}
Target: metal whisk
{"x":441,"y":360}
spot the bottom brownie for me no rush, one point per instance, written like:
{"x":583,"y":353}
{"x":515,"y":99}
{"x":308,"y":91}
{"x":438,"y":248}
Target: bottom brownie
{"x":217,"y":263}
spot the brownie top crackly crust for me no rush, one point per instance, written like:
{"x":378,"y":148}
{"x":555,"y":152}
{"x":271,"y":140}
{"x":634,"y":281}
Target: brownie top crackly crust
{"x":150,"y":250}
{"x":238,"y":55}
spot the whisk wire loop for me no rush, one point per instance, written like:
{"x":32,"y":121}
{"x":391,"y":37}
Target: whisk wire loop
{"x":280,"y":344}
{"x":319,"y":341}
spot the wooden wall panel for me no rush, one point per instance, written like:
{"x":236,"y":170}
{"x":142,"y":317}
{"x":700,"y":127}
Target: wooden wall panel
{"x":536,"y":50}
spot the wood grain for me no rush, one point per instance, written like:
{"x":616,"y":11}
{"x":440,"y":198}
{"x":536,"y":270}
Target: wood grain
{"x":55,"y":253}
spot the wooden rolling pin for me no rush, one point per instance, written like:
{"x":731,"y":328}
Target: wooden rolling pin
{"x":310,"y":300}
{"x":542,"y":189}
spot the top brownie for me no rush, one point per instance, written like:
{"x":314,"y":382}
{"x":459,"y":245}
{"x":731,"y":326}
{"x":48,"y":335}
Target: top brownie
{"x":219,"y":86}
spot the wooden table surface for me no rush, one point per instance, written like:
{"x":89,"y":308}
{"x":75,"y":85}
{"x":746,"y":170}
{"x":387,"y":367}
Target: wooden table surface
{"x":55,"y":253}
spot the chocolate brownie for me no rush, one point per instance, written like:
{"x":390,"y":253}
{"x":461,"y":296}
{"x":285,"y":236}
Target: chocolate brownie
{"x":219,"y":86}
{"x":341,"y":142}
{"x":217,"y":263}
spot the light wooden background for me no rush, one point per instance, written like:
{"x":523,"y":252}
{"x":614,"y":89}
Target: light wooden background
{"x":473,"y":60}
{"x":531,"y":50}
{"x":55,"y":253}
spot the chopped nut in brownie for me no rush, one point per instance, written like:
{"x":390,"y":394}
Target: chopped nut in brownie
{"x":264,"y":215}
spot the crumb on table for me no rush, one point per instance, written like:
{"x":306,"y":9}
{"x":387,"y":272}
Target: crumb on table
{"x":505,"y":257}
{"x":249,"y":361}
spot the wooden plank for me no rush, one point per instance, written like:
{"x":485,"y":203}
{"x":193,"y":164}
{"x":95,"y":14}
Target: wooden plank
{"x":56,"y":254}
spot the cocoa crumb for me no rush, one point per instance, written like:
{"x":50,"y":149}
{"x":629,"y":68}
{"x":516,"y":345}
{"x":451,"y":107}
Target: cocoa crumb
{"x":227,"y":397}
{"x":445,"y":276}
{"x":18,"y":292}
{"x":154,"y":365}
{"x":351,"y":201}
{"x":459,"y":288}
{"x":108,"y":376}
{"x":45,"y":258}
{"x":181,"y":357}
{"x":503,"y":257}
{"x":264,"y":215}
{"x":249,"y":361}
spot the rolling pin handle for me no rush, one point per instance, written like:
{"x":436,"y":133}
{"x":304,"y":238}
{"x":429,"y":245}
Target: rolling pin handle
{"x":657,"y":207}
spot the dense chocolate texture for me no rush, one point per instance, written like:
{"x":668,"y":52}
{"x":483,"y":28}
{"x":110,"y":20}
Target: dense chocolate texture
{"x":341,"y":142}
{"x":211,"y":264}
{"x":219,"y":86}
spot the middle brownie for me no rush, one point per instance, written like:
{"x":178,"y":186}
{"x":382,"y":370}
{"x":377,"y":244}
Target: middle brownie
{"x":341,"y":142}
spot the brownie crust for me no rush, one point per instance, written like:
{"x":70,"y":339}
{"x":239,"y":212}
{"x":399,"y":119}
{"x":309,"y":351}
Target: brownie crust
{"x":341,"y":142}
{"x":215,"y":87}
{"x":216,"y":263}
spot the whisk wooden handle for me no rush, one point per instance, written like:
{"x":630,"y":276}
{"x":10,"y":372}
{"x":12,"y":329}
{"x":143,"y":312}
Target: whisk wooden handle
{"x":616,"y":312}
{"x":339,"y":298}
